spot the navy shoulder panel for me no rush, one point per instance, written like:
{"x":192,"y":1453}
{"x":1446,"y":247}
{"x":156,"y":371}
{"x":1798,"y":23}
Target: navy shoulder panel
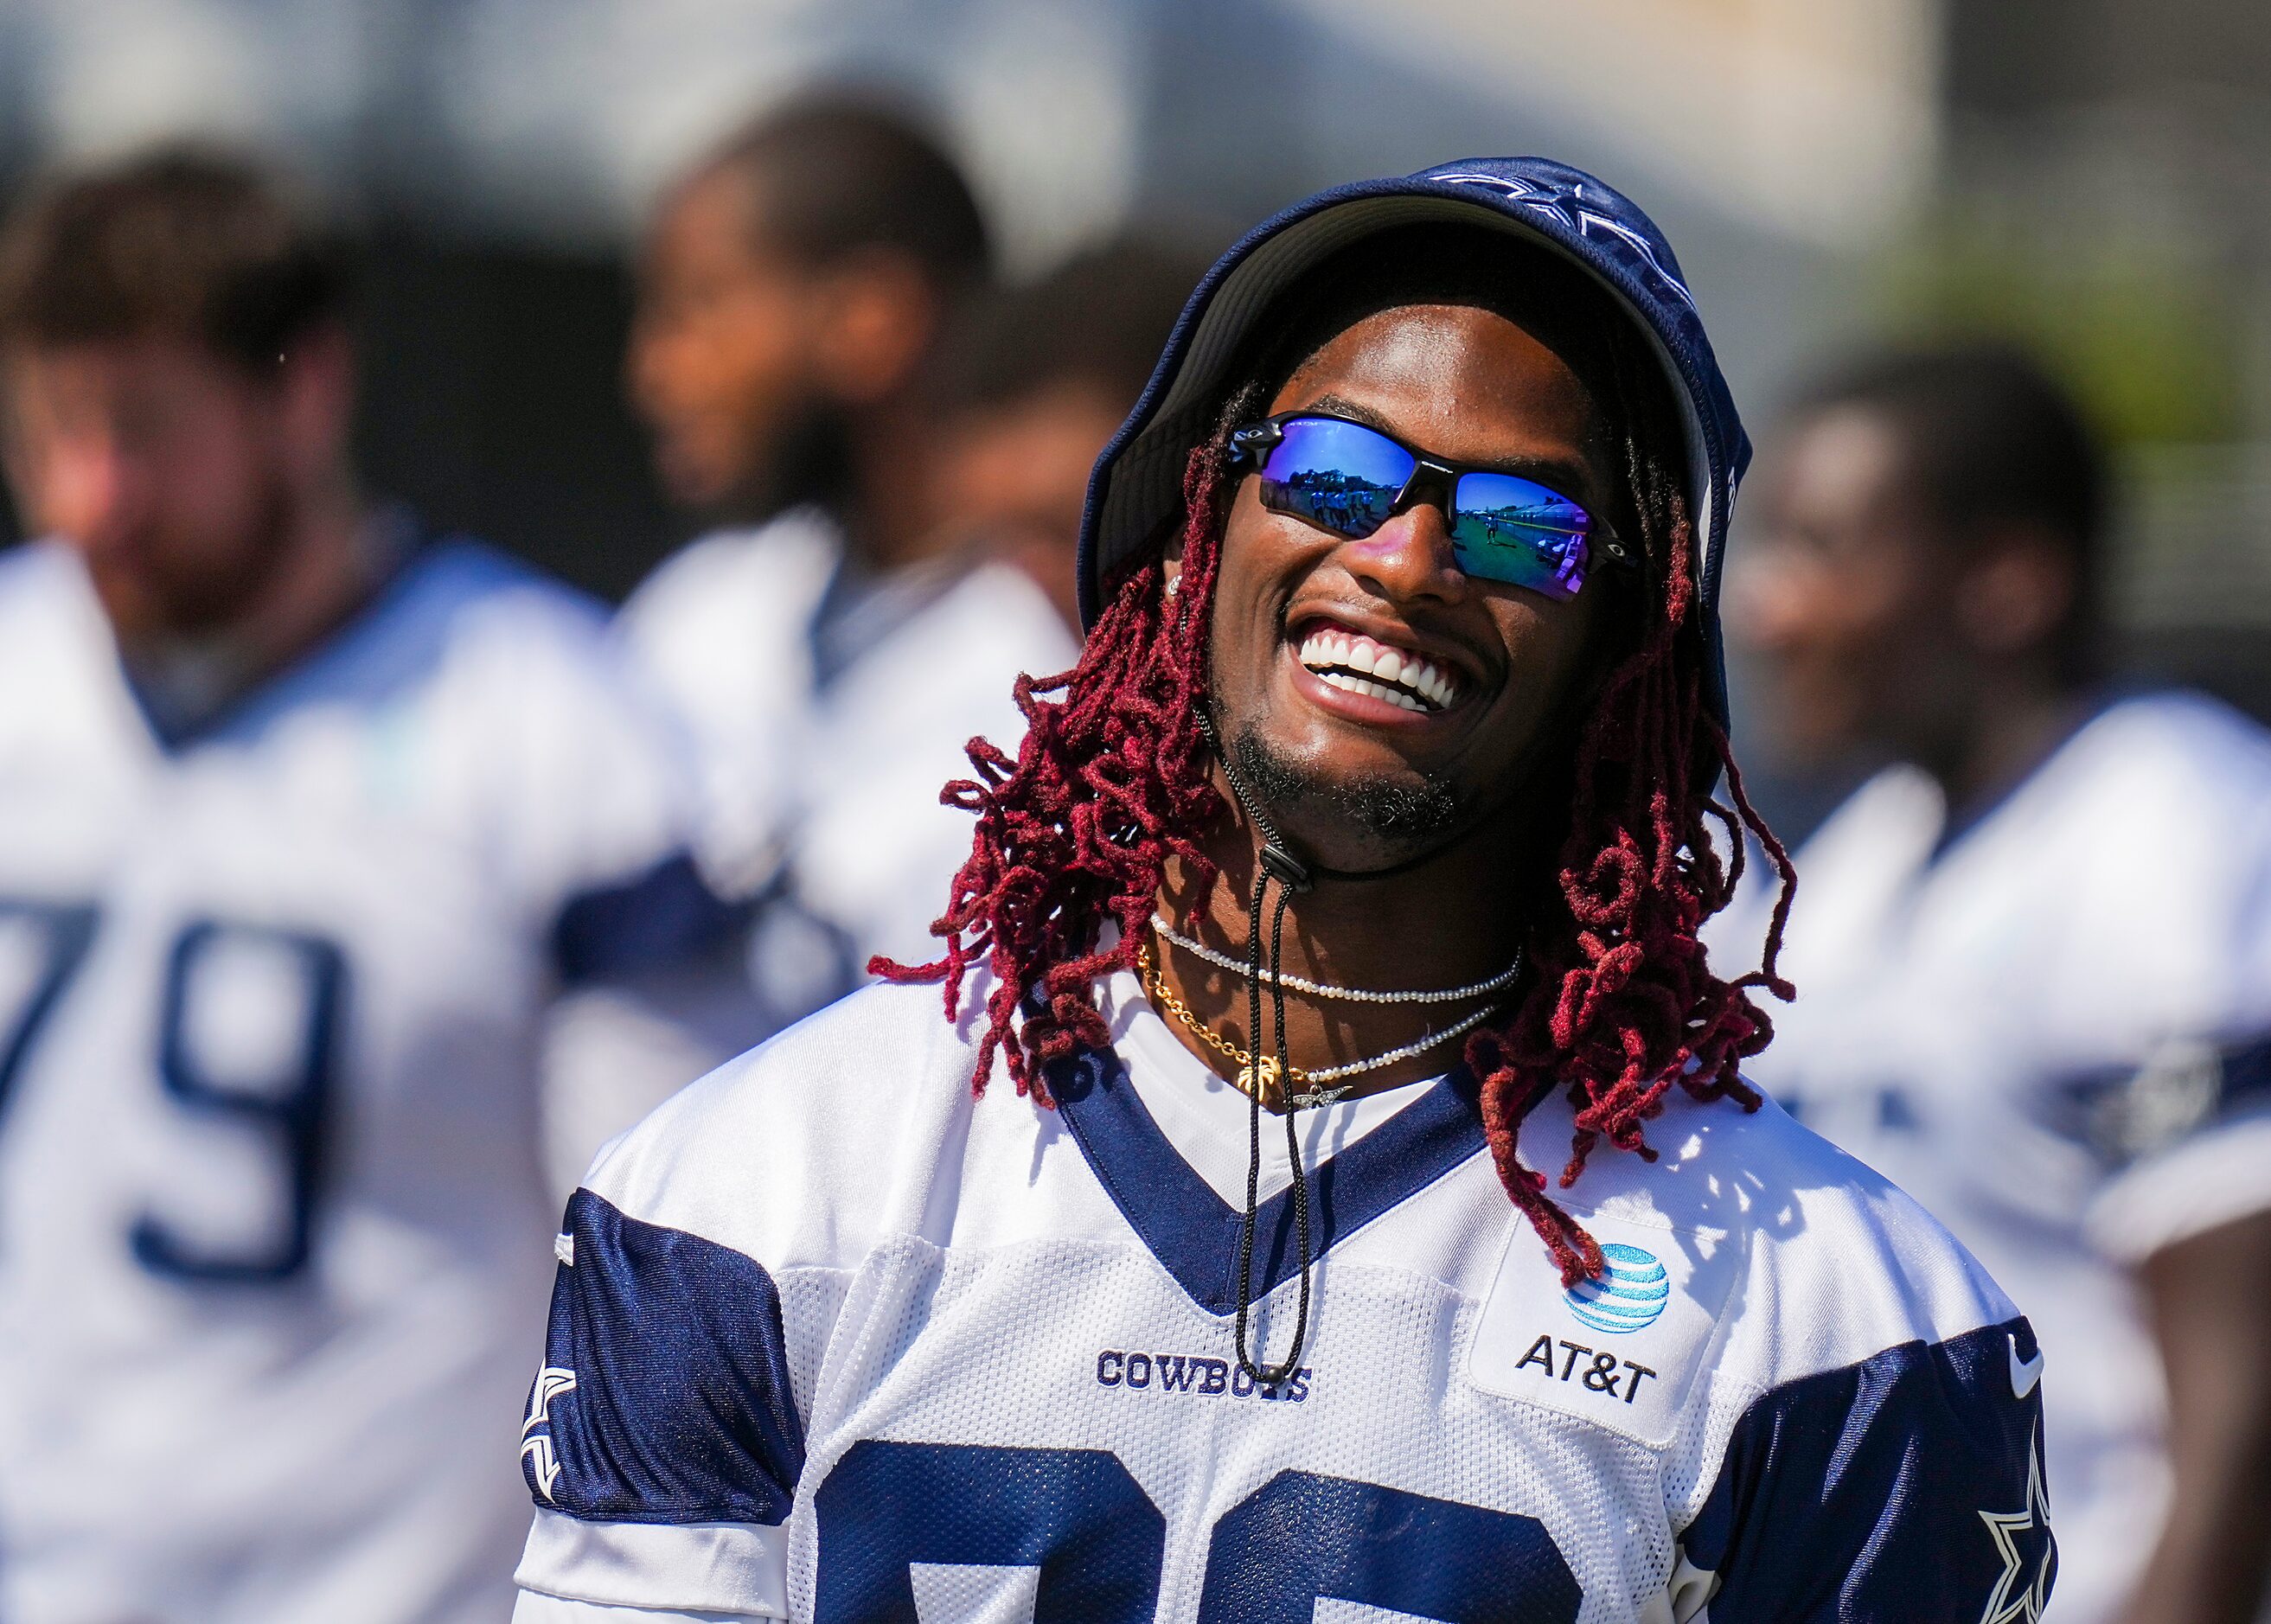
{"x":1907,"y":1486}
{"x":649,"y":921}
{"x":664,"y":1394}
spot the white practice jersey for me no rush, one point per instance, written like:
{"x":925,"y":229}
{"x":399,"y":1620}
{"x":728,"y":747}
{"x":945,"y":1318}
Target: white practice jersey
{"x":269,"y":1007}
{"x":829,"y":715}
{"x":834,"y":1341}
{"x":2049,"y":1026}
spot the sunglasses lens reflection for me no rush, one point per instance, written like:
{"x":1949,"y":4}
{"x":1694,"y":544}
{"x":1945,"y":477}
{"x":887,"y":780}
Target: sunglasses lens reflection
{"x":1505,"y":528}
{"x":1345,"y":478}
{"x":1338,"y":476}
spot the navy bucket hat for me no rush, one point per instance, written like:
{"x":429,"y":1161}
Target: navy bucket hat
{"x":1137,"y":486}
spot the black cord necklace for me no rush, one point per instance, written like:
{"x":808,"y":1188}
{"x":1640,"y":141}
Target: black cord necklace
{"x":1290,"y":875}
{"x":1278,"y":865}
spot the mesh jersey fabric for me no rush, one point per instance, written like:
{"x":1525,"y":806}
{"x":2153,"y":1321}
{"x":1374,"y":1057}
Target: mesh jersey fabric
{"x":270,"y":1000}
{"x":1006,"y":1331}
{"x":2052,"y":1026}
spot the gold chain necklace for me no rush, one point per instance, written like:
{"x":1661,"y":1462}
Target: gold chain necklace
{"x":1321,"y":1090}
{"x":1156,"y":988}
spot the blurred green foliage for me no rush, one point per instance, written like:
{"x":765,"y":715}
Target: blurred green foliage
{"x":2151,"y":333}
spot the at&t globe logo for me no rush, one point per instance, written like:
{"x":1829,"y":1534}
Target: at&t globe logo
{"x":1629,"y":1295}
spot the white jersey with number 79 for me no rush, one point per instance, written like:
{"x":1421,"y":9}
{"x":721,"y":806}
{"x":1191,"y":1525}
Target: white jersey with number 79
{"x":271,"y":1221}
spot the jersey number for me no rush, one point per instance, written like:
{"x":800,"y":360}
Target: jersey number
{"x":284,"y":1098}
{"x":42,"y":945}
{"x":1087,"y":1525}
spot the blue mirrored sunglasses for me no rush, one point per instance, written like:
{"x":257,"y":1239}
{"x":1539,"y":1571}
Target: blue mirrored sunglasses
{"x":1349,"y":479}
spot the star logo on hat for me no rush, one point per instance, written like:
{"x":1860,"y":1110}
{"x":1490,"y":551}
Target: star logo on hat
{"x":1569,"y":208}
{"x":1496,"y":182}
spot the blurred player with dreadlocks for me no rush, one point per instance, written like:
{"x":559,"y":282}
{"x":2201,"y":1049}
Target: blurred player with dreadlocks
{"x":2035,"y":957}
{"x":836,"y":640}
{"x":307,"y":820}
{"x":1340,"y":897}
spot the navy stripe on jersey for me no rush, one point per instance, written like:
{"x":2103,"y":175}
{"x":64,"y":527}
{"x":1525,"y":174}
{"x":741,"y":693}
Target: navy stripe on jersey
{"x":664,"y":1394}
{"x":1194,"y":1233}
{"x":1906,"y":1486}
{"x":2247,"y":1077}
{"x":657,"y":918}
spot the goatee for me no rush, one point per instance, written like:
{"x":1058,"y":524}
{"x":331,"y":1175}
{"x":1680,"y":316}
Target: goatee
{"x":1401,"y":810}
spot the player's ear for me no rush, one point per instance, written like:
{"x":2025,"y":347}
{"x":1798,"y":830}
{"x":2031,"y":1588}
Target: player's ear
{"x":874,"y":316}
{"x":15,"y":454}
{"x":316,"y":385}
{"x":2017,"y":594}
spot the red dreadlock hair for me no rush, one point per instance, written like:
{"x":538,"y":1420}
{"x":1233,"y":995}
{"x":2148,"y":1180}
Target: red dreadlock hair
{"x":1617,"y":1008}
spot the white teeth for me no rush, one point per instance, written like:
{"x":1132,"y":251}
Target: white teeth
{"x":1395,"y":696}
{"x":1358,"y":664}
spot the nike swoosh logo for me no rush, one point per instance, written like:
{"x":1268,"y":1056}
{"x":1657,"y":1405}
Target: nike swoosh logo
{"x":2024,"y":1372}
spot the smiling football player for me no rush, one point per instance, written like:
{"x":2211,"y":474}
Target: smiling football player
{"x":1371,"y":1217}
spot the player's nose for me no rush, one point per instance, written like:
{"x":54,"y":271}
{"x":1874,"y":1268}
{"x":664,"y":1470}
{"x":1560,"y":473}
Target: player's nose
{"x":92,"y":493}
{"x":1409,"y":557}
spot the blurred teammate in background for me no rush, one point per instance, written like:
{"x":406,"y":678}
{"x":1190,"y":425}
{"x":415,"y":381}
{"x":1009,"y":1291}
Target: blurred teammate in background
{"x":305,"y":819}
{"x":1031,"y":386}
{"x":836,"y":640}
{"x":2033,"y":959}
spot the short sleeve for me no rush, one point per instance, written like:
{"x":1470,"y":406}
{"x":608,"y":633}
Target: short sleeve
{"x":719,"y":634}
{"x":2185,"y":1137}
{"x":600,"y":806}
{"x":661,"y":1442}
{"x":538,"y":1609}
{"x":1906,"y":1486}
{"x":2189,"y":1135}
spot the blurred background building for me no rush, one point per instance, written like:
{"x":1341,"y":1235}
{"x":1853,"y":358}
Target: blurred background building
{"x":2090,"y":176}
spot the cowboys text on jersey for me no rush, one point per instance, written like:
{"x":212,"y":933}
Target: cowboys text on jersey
{"x":828,"y":1351}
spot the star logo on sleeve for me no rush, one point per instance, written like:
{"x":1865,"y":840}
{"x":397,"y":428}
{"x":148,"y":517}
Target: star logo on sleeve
{"x":2022,"y":1539}
{"x":543,"y":1463}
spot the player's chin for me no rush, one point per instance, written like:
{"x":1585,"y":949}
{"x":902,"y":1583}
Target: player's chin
{"x":695,"y":468}
{"x":1358,"y":809}
{"x":132,"y":599}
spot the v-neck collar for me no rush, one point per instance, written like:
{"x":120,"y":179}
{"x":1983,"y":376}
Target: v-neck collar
{"x":408,"y":560}
{"x":1194,"y":1233}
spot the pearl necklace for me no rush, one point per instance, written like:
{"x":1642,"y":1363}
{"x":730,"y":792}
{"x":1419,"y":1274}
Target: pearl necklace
{"x":1156,"y":988}
{"x":1503,"y":980}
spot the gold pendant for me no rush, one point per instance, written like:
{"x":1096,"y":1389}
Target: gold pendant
{"x":1269,"y":1067}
